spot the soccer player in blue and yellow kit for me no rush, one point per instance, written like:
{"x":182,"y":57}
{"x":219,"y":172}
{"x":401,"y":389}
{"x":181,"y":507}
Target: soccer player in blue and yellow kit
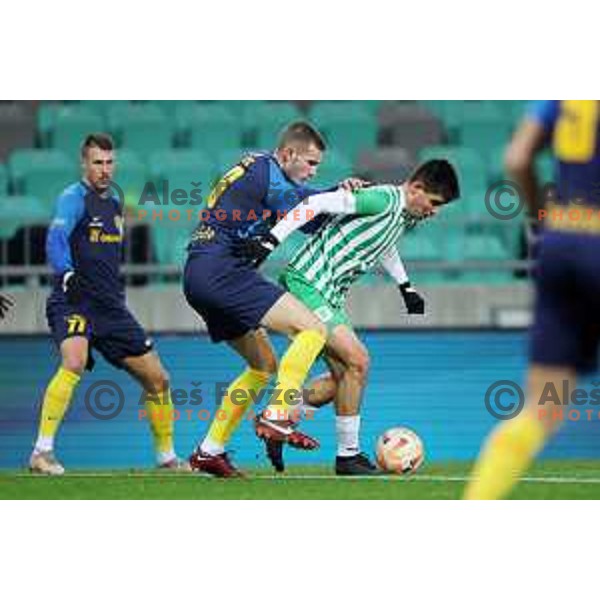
{"x":566,"y":329}
{"x":86,"y":308}
{"x":236,"y":301}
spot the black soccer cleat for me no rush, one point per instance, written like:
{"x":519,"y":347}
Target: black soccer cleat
{"x":274,"y":452}
{"x":359,"y":464}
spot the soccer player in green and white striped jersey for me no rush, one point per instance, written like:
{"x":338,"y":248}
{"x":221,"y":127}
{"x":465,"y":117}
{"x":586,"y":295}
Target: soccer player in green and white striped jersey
{"x":362,"y":230}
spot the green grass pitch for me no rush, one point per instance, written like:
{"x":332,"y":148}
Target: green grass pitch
{"x":566,"y":479}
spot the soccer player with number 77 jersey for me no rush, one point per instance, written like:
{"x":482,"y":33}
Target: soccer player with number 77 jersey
{"x":86,"y":309}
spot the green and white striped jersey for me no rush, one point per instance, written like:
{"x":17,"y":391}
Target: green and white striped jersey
{"x":347,"y":246}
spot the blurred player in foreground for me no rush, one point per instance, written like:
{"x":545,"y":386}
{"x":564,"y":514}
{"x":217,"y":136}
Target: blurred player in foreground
{"x":87,"y":307}
{"x":566,"y":328}
{"x":363,"y":233}
{"x":236,"y":301}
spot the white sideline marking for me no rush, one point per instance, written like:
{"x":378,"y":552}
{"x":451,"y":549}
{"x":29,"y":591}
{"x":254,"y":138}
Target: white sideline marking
{"x":432,"y":478}
{"x":397,"y":478}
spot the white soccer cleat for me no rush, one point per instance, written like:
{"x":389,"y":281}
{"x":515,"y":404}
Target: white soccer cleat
{"x":45,"y":463}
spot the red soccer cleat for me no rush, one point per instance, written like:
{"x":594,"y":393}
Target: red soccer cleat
{"x":217,"y":465}
{"x":283,"y":431}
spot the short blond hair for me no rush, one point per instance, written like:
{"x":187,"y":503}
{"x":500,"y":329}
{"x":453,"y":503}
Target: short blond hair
{"x":301,"y":132}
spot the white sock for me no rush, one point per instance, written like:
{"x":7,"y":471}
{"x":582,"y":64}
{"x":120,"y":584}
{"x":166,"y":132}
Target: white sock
{"x":209,"y":447}
{"x":44,"y":444}
{"x":347,"y":435}
{"x":165,"y":457}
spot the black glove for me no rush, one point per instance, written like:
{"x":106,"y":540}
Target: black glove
{"x":256,"y":249}
{"x":72,"y":287}
{"x":415,"y":305}
{"x":5,"y":304}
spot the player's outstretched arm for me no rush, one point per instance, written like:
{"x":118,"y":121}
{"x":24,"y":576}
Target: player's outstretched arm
{"x":370,"y":201}
{"x":392,"y":263}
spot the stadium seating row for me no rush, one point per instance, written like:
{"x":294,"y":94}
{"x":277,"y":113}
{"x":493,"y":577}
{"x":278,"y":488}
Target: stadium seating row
{"x":188,"y":141}
{"x":209,"y":126}
{"x":44,"y":172}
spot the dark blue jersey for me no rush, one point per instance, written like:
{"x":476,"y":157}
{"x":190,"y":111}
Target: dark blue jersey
{"x":248,"y":200}
{"x":566,"y":331}
{"x":573,"y":129}
{"x":86,"y":236}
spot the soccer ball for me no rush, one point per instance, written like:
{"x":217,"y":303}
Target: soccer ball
{"x":400,"y":450}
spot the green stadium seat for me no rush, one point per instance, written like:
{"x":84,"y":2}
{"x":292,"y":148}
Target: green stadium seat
{"x":332,"y":170}
{"x":209,"y":127}
{"x":512,"y":111}
{"x":484,"y":128}
{"x":169,"y":108}
{"x":140,"y":127}
{"x":262,"y":122}
{"x":3,"y":180}
{"x":104,"y":107}
{"x":384,"y":165}
{"x":131,"y":176}
{"x":45,"y":119}
{"x":371,"y":106}
{"x":348,"y":127}
{"x":42,"y":173}
{"x":479,"y":219}
{"x":226,"y":159}
{"x":518,"y":110}
{"x":481,"y":247}
{"x":409,"y":125}
{"x":416,"y":245}
{"x":235,"y":107}
{"x":21,"y":211}
{"x":428,"y":242}
{"x":180,"y":168}
{"x":170,"y":241}
{"x":183,"y":168}
{"x":64,"y":127}
{"x":471,"y":167}
{"x":449,"y":112}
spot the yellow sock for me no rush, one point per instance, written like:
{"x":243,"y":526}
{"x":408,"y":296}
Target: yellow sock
{"x":56,"y":401}
{"x":160,"y":415}
{"x":508,"y":452}
{"x":293,"y":370}
{"x":231,"y":411}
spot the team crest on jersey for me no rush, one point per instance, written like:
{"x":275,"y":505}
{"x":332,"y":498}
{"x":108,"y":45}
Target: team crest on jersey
{"x":203,"y":233}
{"x":96,"y":222}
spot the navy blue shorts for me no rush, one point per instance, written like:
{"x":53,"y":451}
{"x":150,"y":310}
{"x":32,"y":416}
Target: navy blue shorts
{"x":566,"y":328}
{"x":114,"y":332}
{"x":231,"y":297}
